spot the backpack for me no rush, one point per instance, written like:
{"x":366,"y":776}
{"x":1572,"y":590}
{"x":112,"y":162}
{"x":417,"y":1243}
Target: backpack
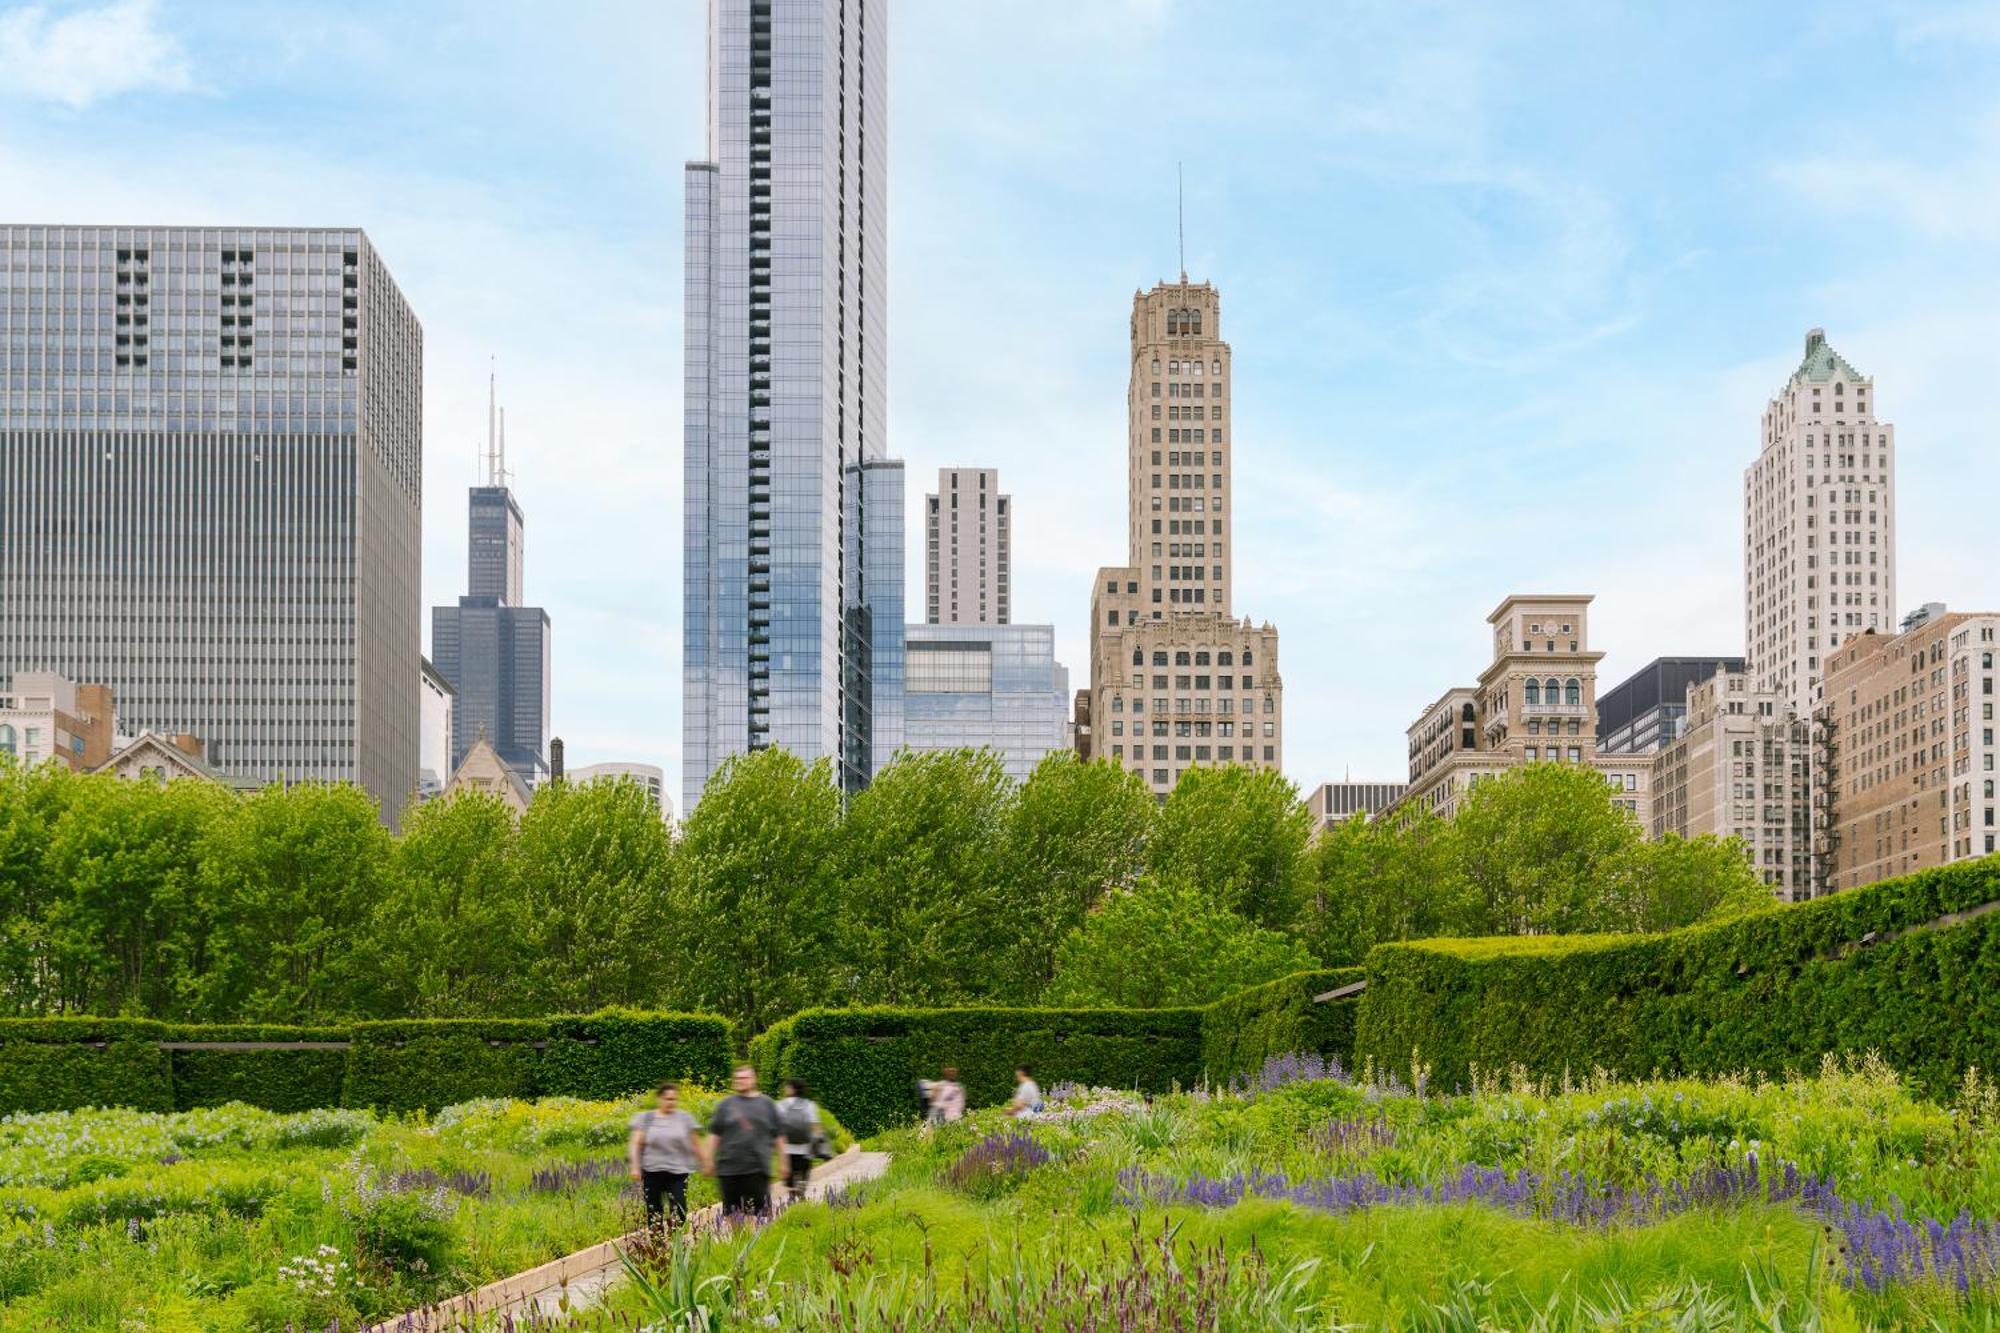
{"x":801,"y":1118}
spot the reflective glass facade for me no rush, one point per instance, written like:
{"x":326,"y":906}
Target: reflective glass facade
{"x":793,"y":524}
{"x":986,"y":686}
{"x":211,"y":460}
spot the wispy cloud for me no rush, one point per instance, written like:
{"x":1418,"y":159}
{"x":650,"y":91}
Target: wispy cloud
{"x":87,"y":55}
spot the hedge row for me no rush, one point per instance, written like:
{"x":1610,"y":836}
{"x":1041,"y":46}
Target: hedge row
{"x":1769,"y":992}
{"x":865,"y":1063}
{"x":58,"y":1064}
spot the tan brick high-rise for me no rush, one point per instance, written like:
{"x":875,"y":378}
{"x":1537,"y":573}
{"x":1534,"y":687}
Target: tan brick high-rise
{"x":1176,"y":680}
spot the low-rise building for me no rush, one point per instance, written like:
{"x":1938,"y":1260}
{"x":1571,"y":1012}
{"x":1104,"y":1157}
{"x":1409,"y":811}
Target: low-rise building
{"x":45,"y":716}
{"x":1338,"y":802}
{"x":1905,"y":751}
{"x":995,"y":687}
{"x":483,"y":770}
{"x":1536,"y":702}
{"x":651,"y":777}
{"x":154,"y":756}
{"x":1739,"y":768}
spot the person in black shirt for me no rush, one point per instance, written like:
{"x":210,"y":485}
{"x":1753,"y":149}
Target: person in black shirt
{"x":749,"y":1145}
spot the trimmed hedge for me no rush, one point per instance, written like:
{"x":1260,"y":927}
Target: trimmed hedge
{"x":1770,"y":992}
{"x":62,"y":1063}
{"x":864,"y":1063}
{"x":1241,"y":1031}
{"x":275,"y":1080}
{"x":56,"y":1064}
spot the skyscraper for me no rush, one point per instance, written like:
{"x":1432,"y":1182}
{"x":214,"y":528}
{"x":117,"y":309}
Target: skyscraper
{"x":794,"y":512}
{"x":493,"y":650}
{"x":1175,"y":679}
{"x":211,"y":463}
{"x":968,"y":549}
{"x":1819,"y":526}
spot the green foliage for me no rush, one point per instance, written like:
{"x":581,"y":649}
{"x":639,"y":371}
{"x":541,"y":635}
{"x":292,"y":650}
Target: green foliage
{"x":1074,"y":833}
{"x":451,"y":942}
{"x":277,"y":1080}
{"x":922,"y":916}
{"x":865,"y":1063}
{"x":1240,"y":835}
{"x":1241,"y":1031}
{"x":616,"y":1053}
{"x":425,"y":1064}
{"x":56,"y":1064}
{"x":1379,"y":880}
{"x":1167,"y":943}
{"x":757,"y":891}
{"x":1769,"y":991}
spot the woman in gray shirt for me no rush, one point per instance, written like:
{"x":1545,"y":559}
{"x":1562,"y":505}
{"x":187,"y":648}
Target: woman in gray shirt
{"x":667,"y":1146}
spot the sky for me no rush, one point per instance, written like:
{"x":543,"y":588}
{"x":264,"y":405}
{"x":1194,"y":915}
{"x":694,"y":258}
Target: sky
{"x":1507,"y":286}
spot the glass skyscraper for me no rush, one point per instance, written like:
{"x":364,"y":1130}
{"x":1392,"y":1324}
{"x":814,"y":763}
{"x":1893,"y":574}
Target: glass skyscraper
{"x":211,"y":470}
{"x":794,"y":512}
{"x":996,"y":687}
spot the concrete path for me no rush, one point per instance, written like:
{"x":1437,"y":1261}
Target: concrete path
{"x":578,"y":1281}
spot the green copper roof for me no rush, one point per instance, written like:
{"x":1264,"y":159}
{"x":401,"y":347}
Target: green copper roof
{"x":1822,"y":361}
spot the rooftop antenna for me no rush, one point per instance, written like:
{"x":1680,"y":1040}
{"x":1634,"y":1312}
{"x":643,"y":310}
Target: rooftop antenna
{"x":1180,"y":216}
{"x":492,"y":439}
{"x":500,"y":475}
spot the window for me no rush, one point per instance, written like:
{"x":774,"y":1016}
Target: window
{"x":1533,"y":693}
{"x":1572,"y":691}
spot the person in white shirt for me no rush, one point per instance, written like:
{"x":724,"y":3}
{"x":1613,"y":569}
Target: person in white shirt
{"x":1027,"y":1103}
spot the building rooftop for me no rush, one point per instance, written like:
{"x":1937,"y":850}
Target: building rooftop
{"x":1821,"y":362}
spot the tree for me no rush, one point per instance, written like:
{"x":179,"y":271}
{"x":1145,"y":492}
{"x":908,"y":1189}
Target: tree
{"x":129,"y":935}
{"x":1382,"y":880}
{"x":1540,"y":846}
{"x":922,"y":920}
{"x":756,"y":895}
{"x":594,"y":864}
{"x":32,"y":801}
{"x":1240,"y":834}
{"x":287,"y":878}
{"x":1074,"y":833}
{"x":1678,"y":881}
{"x":1166,"y":943}
{"x":450,"y":941}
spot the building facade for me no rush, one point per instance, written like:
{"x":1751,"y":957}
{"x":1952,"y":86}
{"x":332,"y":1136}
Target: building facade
{"x":968,"y":549}
{"x":1906,"y":751}
{"x":1176,"y":680}
{"x":492,"y":650}
{"x":996,"y":687}
{"x":211,"y":463}
{"x":651,"y":777}
{"x":1338,"y":802}
{"x":43,"y":717}
{"x":1645,"y":712}
{"x":794,"y":529}
{"x":1819,"y":526}
{"x":1739,"y":768}
{"x":1536,"y":702}
{"x":434,"y":708}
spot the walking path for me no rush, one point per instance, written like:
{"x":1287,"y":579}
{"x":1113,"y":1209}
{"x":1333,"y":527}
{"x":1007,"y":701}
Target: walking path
{"x":578,"y":1281}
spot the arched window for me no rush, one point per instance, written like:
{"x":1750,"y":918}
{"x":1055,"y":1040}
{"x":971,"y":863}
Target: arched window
{"x":1195,"y":316}
{"x":1465,"y":713}
{"x":1553,"y":687}
{"x":1534,"y":693}
{"x":1246,"y":657}
{"x":1138,"y":657}
{"x":6,"y":739}
{"x":1573,"y":691}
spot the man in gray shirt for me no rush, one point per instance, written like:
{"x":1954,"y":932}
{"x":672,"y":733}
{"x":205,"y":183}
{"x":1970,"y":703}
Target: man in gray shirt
{"x":749,"y":1147}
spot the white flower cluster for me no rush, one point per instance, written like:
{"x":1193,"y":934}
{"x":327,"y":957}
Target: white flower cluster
{"x":322,"y":1274}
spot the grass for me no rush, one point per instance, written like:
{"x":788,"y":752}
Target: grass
{"x":970,"y":1229}
{"x":240,"y":1219}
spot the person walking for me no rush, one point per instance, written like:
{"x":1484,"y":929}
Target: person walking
{"x":749,"y":1145}
{"x":666,"y":1147}
{"x":947,"y":1098}
{"x":1027,"y":1102}
{"x":798,"y":1117}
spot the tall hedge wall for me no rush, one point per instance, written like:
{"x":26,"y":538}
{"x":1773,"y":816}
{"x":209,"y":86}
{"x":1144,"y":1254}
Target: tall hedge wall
{"x":864,"y":1063}
{"x":1767,"y":992}
{"x":1241,"y":1031}
{"x":59,"y":1064}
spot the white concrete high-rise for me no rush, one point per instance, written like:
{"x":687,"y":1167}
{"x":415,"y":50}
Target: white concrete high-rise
{"x":793,"y":540}
{"x":1819,"y":527}
{"x":211,"y":472}
{"x":968,"y":549}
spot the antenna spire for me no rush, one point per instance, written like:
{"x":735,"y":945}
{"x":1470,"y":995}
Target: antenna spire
{"x":492,"y":440}
{"x":1180,"y":216}
{"x":500,"y":466}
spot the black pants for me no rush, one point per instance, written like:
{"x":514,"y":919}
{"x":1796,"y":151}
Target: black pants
{"x":666,"y":1192}
{"x":746,"y":1193}
{"x":798,"y":1170}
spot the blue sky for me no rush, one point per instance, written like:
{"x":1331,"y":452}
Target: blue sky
{"x":1508,"y":285}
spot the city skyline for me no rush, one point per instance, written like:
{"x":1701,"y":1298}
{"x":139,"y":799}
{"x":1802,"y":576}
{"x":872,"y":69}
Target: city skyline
{"x":1464,"y":328}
